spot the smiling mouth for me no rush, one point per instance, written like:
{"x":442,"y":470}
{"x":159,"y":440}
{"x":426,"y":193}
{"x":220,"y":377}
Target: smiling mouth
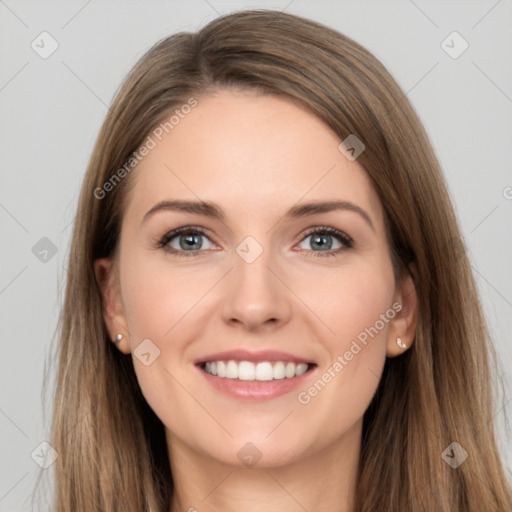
{"x":261,"y":371}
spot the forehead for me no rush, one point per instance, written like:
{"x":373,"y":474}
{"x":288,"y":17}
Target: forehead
{"x":248,"y":152}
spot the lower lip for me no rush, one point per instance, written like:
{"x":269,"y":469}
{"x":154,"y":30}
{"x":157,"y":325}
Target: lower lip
{"x":255,"y":390}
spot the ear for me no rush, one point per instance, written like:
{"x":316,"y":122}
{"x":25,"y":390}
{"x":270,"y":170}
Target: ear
{"x":107,"y":277}
{"x":403,"y":325}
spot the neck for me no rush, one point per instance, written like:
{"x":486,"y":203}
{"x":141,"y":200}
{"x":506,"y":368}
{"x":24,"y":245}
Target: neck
{"x":322,"y":481}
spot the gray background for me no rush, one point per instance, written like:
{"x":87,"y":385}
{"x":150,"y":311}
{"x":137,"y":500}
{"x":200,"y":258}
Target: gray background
{"x":51,"y":110}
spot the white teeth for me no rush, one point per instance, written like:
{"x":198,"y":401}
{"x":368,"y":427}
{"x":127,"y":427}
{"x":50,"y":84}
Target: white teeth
{"x":301,"y":368}
{"x":289,"y":371}
{"x":248,"y":371}
{"x":279,"y":370}
{"x":264,"y":371}
{"x":231,"y":370}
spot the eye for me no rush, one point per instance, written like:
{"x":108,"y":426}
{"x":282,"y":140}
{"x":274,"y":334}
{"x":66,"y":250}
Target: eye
{"x":192,"y":240}
{"x":186,"y":241}
{"x":326,"y":240}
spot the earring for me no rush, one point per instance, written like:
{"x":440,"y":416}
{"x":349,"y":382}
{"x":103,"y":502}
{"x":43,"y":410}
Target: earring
{"x":119,"y":337}
{"x":400,"y":343}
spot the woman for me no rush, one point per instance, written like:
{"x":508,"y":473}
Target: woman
{"x":269,"y":306}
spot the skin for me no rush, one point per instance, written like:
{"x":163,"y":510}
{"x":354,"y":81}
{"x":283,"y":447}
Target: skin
{"x":256,"y":156}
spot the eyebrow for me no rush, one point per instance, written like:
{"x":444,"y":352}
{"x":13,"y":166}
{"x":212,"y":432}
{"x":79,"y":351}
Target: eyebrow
{"x":213,"y":211}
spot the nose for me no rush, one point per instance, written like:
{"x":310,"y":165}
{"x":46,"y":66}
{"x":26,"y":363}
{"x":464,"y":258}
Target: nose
{"x":256,"y":298}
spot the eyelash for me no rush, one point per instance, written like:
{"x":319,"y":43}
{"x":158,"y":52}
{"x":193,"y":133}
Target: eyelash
{"x":343,"y":238}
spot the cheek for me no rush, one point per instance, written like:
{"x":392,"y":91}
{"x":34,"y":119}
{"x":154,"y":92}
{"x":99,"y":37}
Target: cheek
{"x":360,"y":314}
{"x":164,"y":305}
{"x":351,"y":299}
{"x":157,"y":300}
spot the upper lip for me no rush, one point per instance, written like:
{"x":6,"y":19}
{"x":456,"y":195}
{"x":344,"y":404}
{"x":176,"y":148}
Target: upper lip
{"x":255,"y":357}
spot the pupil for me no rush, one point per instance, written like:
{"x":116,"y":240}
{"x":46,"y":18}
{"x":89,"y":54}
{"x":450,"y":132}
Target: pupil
{"x":322,"y":241}
{"x":190,"y":241}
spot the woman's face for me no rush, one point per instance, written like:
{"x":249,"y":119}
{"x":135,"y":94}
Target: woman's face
{"x":283,"y":259}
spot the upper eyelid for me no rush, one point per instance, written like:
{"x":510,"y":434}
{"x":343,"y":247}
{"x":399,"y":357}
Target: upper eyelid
{"x":173,"y":233}
{"x":327,"y":229}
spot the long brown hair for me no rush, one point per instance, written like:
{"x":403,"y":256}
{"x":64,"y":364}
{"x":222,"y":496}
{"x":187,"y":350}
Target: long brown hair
{"x":111,"y":446}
